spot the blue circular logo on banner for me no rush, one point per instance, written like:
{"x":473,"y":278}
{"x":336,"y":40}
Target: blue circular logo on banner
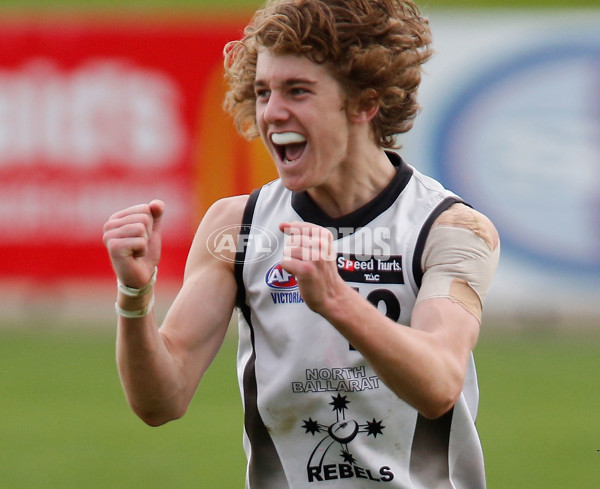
{"x":522,"y":143}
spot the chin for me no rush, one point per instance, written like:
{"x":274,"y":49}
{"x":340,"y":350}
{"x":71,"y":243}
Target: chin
{"x":294,"y":184}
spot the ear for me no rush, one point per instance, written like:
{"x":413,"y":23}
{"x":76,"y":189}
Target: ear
{"x":365,"y":108}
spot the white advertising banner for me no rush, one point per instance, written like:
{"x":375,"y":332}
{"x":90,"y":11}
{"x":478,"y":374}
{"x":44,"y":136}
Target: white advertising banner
{"x":511,"y":122}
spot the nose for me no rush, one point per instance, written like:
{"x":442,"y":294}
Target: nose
{"x":275,"y":109}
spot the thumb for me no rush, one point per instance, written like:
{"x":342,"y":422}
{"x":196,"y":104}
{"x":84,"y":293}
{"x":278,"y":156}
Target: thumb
{"x":157,"y":209}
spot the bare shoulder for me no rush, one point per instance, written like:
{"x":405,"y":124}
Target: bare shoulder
{"x":217,"y":234}
{"x":463,"y":216}
{"x":227,"y":211}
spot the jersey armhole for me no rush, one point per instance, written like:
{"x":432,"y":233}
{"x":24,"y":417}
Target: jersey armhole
{"x":240,"y":255}
{"x":420,"y":246}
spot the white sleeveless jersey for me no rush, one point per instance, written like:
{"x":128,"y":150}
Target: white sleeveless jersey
{"x":316,"y":414}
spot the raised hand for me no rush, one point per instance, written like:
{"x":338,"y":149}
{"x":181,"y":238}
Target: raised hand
{"x":133,"y":240}
{"x":309,"y":254}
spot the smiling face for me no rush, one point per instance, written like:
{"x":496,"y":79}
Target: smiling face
{"x":301,"y":115}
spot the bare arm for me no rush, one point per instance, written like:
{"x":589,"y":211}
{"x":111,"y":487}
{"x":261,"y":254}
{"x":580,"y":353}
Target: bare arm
{"x":425,"y":364}
{"x":160,"y":368}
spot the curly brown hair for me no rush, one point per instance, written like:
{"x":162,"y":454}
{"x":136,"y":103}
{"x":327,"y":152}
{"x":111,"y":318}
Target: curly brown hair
{"x":373,"y":48}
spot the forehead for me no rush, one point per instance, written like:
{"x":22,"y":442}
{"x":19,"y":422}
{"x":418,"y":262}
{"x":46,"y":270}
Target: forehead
{"x":283,"y":68}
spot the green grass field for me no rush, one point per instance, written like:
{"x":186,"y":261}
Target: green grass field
{"x":65,"y":423}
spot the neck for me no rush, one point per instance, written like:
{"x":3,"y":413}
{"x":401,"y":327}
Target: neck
{"x":359,"y":181}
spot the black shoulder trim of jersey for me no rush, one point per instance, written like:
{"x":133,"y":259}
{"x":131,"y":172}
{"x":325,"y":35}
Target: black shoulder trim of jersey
{"x":240,"y":255}
{"x":309,"y":211}
{"x":420,"y":246}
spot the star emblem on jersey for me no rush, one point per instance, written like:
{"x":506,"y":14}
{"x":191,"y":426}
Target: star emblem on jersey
{"x":311,"y":426}
{"x":342,"y":432}
{"x":374,"y":428}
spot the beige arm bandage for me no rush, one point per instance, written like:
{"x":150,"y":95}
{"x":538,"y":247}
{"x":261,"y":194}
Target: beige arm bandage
{"x":460,"y":257}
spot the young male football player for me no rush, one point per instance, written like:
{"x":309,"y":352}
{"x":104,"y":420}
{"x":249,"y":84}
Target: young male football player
{"x":356,"y":333}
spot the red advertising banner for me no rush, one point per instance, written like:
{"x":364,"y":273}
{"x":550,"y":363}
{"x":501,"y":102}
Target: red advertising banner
{"x":97,"y":116}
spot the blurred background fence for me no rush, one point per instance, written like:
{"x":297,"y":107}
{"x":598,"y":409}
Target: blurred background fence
{"x":103,"y":107}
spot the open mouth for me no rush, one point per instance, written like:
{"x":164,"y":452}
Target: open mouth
{"x":289,"y":146}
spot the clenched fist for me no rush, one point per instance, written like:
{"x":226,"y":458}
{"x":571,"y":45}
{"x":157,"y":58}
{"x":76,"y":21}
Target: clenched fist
{"x":309,"y":254}
{"x":132,"y":238}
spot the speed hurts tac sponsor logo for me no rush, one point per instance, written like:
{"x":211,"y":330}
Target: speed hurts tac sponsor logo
{"x":384,"y":270}
{"x":284,"y":286}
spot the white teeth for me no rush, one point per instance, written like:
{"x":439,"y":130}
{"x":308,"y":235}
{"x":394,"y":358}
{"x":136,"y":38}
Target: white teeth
{"x":287,"y":138}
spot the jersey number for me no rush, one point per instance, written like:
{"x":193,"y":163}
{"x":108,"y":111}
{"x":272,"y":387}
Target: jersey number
{"x":390,"y":301}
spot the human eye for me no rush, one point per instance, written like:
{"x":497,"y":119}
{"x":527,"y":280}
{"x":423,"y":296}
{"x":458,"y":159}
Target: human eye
{"x":298,"y":91}
{"x":261,"y":93}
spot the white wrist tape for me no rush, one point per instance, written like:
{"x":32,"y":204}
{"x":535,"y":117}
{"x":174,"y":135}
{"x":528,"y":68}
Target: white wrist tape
{"x":140,"y":313}
{"x":133,"y":292}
